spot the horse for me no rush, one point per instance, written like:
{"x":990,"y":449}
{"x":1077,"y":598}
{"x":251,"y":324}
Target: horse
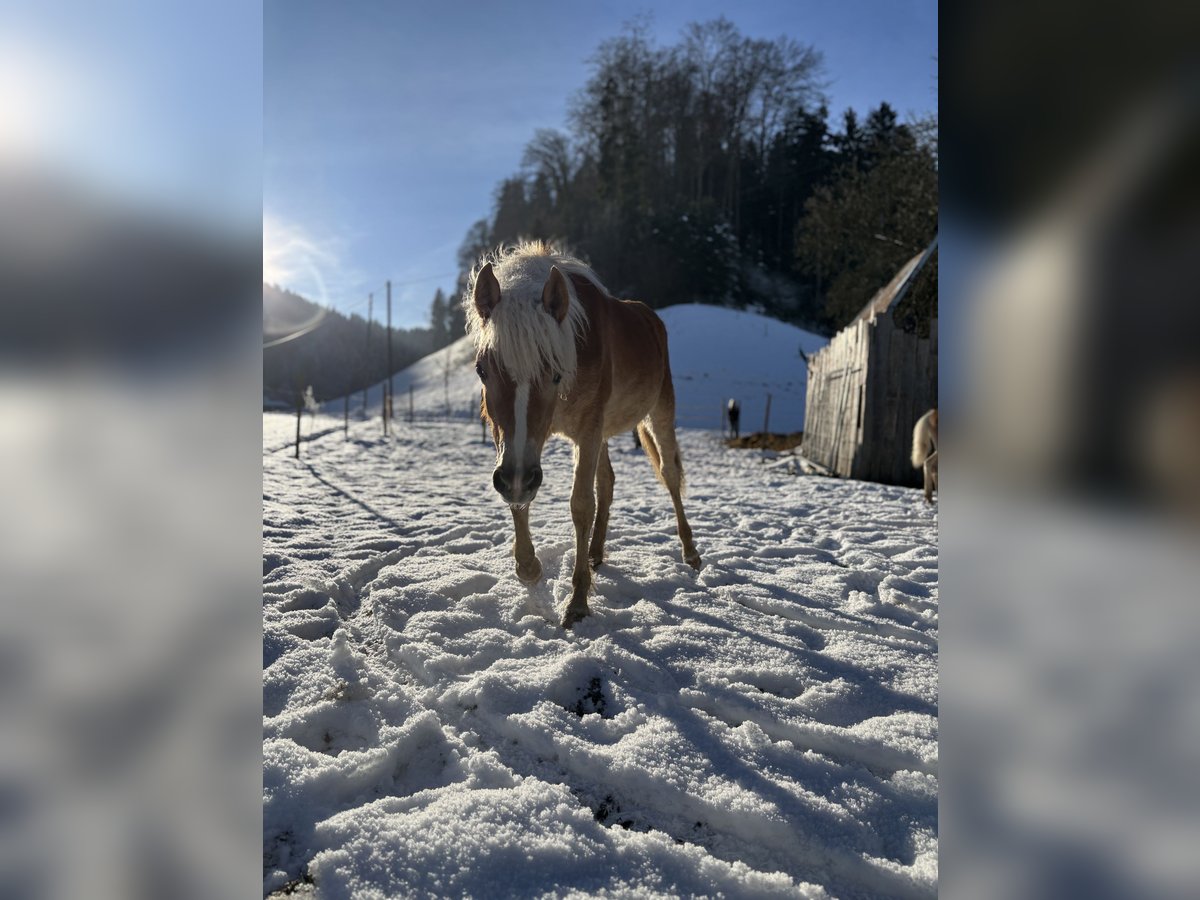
{"x":558,"y":354}
{"x":924,"y":450}
{"x":735,"y":415}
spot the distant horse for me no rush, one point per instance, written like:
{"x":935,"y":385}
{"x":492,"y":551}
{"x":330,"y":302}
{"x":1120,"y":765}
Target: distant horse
{"x":924,"y":450}
{"x":557,"y":354}
{"x":735,"y":415}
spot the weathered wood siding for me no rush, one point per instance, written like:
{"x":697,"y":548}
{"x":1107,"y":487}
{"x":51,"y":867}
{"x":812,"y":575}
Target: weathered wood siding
{"x":836,"y":375}
{"x":866,"y":390}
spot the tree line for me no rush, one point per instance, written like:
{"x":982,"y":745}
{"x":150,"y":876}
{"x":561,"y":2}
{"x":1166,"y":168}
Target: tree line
{"x":709,"y":171}
{"x":705,"y":171}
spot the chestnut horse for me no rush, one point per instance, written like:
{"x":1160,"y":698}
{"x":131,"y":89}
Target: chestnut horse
{"x":558,"y":355}
{"x":924,"y":450}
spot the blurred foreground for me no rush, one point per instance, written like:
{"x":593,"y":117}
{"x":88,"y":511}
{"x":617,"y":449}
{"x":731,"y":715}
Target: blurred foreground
{"x":1071,"y":403}
{"x":129,"y":506}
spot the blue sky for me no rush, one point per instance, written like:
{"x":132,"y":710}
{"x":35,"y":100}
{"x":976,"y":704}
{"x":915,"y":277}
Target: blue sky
{"x":387,"y":126}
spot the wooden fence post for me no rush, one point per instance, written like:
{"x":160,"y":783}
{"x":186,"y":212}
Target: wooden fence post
{"x":766,"y":424}
{"x":390,"y":414}
{"x":367,"y":355}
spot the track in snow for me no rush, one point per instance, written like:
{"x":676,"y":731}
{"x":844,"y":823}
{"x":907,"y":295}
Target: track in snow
{"x":767,"y":726}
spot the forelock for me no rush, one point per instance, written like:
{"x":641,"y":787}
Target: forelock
{"x":524,"y":338}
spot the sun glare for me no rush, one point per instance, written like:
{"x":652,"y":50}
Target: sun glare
{"x":32,"y":93}
{"x":294,"y":260}
{"x":274,"y":270}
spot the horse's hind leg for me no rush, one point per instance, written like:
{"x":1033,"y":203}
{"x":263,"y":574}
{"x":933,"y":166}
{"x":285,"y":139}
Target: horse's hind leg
{"x":529,"y":570}
{"x":604,"y":495}
{"x":931,"y":475}
{"x":658,"y":437}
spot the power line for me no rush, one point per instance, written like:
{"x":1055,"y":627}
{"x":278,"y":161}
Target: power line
{"x":359,"y":303}
{"x":323,"y":312}
{"x":426,"y":278}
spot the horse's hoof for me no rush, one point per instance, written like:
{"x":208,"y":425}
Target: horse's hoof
{"x":595,"y":562}
{"x":693,"y":560}
{"x":573,"y":615}
{"x":531,"y":574}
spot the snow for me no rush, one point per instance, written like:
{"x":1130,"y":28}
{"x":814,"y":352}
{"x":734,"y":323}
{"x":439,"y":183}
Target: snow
{"x":716,"y":353}
{"x":765,"y":727}
{"x":279,"y":429}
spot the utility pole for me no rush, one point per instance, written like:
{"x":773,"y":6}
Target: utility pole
{"x":388,"y":413}
{"x":367,"y":380}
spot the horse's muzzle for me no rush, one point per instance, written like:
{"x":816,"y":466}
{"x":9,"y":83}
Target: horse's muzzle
{"x":521,"y":494}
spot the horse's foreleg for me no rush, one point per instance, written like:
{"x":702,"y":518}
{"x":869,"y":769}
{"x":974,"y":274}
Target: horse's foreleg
{"x":583,"y":514}
{"x":604,"y":495}
{"x":529,"y":569}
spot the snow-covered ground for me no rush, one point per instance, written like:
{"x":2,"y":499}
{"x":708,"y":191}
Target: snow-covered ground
{"x":716,"y":353}
{"x":766,"y":727}
{"x":279,"y":429}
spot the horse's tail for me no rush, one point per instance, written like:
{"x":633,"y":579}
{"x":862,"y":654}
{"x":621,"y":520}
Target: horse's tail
{"x":922,"y":441}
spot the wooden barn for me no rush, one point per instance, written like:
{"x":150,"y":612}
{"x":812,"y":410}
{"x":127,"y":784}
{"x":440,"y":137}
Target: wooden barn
{"x":867,"y":389}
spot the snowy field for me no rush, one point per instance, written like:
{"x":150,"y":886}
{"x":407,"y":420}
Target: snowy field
{"x":766,"y":727}
{"x":279,"y":429}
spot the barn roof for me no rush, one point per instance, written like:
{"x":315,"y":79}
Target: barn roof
{"x":894,"y":290}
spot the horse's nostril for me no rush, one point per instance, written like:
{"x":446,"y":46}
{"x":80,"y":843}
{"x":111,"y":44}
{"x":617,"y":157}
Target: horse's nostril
{"x":534,"y":479}
{"x":500,"y":482}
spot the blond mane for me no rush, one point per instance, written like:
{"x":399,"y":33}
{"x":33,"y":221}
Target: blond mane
{"x":524,"y":338}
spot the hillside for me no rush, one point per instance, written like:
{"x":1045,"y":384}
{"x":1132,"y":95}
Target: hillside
{"x":285,"y":312}
{"x":305,"y":344}
{"x":716,"y":353}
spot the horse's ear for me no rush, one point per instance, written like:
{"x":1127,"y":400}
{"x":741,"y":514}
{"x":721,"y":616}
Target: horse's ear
{"x":487,"y":292}
{"x":556,"y":296}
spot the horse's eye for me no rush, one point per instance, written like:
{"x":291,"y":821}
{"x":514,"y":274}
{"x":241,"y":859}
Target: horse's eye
{"x":479,"y":371}
{"x":557,"y":378}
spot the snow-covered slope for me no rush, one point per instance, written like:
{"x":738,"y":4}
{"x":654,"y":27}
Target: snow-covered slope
{"x":442,"y":383}
{"x":716,"y":353}
{"x":767,"y":727}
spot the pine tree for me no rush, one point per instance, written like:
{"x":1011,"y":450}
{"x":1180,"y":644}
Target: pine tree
{"x":456,"y":319}
{"x":438,"y":323}
{"x":860,"y":228}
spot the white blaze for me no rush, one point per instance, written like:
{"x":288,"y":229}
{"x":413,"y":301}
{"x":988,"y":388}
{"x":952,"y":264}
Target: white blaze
{"x":520,"y":433}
